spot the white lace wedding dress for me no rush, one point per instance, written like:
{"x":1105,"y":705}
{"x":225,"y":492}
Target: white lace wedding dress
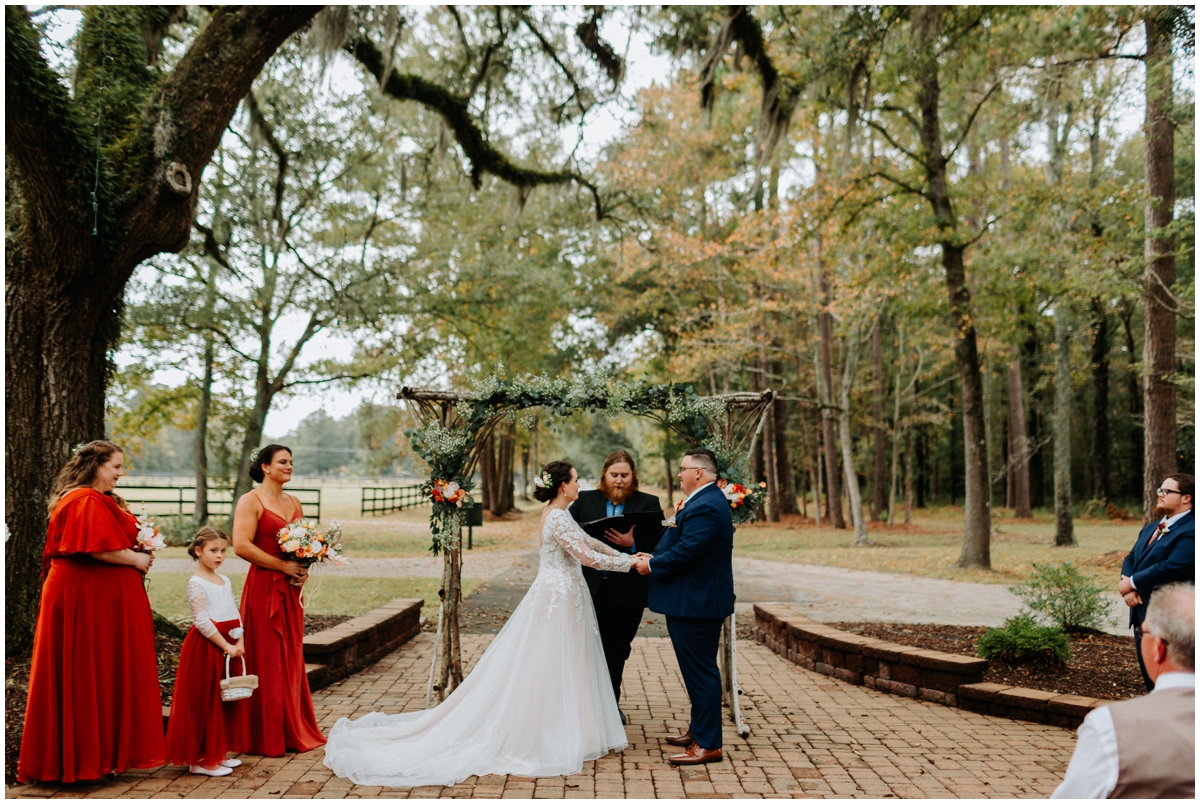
{"x":538,"y":703}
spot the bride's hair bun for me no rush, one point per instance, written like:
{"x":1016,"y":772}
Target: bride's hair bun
{"x":547,"y":483}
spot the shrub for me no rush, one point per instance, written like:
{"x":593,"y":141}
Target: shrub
{"x":1023,"y":641}
{"x":1068,"y":598}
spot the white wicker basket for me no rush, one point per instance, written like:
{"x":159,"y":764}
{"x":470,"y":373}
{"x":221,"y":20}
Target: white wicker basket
{"x":237,"y":688}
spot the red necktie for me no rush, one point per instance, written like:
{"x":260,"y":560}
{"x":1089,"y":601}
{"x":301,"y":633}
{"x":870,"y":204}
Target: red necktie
{"x":1159,"y":531}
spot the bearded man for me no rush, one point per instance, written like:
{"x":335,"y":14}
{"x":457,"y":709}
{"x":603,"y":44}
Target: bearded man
{"x":619,"y":597}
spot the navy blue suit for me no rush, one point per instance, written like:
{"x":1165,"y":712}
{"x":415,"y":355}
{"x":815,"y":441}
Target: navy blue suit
{"x":691,"y":582}
{"x":1171,"y":558}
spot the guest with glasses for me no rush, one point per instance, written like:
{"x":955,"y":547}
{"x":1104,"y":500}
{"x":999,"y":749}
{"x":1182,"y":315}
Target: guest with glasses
{"x":1165,"y":552}
{"x":1146,"y":747}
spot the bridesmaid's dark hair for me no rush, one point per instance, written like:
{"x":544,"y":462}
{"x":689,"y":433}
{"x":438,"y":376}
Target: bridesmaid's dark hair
{"x":263,"y":458}
{"x":80,"y":470}
{"x":558,"y":472}
{"x":205,"y":535}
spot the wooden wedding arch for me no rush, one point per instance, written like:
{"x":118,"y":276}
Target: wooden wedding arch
{"x":452,"y":426}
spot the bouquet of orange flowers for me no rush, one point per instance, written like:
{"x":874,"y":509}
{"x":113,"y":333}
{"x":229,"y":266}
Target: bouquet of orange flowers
{"x":736,"y":493}
{"x":304,"y":543}
{"x":447,"y":491}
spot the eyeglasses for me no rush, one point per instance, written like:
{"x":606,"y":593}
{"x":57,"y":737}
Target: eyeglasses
{"x":1165,"y":492}
{"x":683,"y":469}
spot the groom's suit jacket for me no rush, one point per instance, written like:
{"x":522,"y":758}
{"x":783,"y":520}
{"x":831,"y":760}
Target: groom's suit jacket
{"x":620,"y":589}
{"x":1171,"y":558}
{"x":691,"y":573}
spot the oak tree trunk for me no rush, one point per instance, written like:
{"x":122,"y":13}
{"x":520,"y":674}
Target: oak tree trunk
{"x":1099,"y":401}
{"x":1064,"y":526}
{"x":1158,"y":357}
{"x":786,"y":493}
{"x":977,"y":527}
{"x":67,"y":262}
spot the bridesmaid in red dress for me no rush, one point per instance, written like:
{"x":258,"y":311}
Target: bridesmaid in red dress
{"x":94,"y":705}
{"x":280,"y":712}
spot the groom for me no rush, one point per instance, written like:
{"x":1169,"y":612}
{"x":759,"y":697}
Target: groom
{"x":691,"y":582}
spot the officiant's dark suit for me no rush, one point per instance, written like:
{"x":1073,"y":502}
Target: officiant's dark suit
{"x":691,"y":582}
{"x":619,"y":597}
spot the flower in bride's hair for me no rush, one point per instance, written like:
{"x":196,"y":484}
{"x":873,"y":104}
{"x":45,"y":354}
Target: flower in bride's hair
{"x":78,"y":448}
{"x":543,"y":481}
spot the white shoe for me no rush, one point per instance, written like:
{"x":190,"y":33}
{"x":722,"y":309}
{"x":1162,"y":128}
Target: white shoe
{"x":202,"y":771}
{"x":230,"y":763}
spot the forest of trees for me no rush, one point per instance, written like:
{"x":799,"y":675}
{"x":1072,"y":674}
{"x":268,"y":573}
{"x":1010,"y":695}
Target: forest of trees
{"x":957,"y":242}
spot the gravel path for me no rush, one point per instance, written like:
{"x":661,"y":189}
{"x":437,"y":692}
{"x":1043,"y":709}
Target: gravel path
{"x":833,"y":594}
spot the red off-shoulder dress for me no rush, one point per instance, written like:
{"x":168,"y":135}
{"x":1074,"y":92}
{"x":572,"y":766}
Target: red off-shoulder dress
{"x":94,"y":705}
{"x":281,"y":716}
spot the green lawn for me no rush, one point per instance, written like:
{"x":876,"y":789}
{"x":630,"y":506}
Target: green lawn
{"x":932,"y":543}
{"x":340,"y":594}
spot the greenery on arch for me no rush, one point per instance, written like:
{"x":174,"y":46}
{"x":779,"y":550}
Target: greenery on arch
{"x":450,"y":444}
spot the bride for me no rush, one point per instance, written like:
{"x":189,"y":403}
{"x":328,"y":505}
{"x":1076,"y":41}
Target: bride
{"x":538,"y":703}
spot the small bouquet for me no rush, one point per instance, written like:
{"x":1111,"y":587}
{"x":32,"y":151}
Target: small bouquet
{"x":149,"y":537}
{"x":448,"y":492}
{"x":744,"y":501}
{"x":304,"y":543}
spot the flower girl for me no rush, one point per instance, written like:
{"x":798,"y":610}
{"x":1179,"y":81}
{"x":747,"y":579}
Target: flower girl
{"x":203,"y":728}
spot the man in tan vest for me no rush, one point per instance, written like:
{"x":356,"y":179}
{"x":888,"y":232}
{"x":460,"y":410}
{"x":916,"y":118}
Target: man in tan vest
{"x":1146,"y":747}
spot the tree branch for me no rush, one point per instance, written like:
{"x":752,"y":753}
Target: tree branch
{"x":589,"y":34}
{"x":181,"y":128}
{"x":484,"y":157}
{"x":962,"y":137}
{"x":903,"y":185}
{"x":897,"y":145}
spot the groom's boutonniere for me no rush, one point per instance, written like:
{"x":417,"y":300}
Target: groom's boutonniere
{"x":670,"y":523}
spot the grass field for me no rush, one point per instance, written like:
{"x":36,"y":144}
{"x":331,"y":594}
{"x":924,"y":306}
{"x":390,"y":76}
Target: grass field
{"x":342,"y":594}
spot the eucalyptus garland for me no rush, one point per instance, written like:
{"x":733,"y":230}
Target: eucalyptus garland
{"x":448,"y":449}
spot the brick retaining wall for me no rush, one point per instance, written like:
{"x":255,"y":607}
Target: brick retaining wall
{"x":929,"y":675}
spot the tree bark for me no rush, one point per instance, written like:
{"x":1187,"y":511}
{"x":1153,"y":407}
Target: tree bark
{"x":1064,"y":526}
{"x":200,"y":509}
{"x":833,"y":492}
{"x":1099,"y":401}
{"x":1158,"y":357}
{"x":976,"y":550}
{"x":896,"y":429}
{"x":67,"y":264}
{"x":487,"y":472}
{"x":853,"y":492}
{"x":1018,"y":442}
{"x":879,"y":502}
{"x":783,"y":460}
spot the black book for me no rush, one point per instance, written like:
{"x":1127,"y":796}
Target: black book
{"x":648,"y":528}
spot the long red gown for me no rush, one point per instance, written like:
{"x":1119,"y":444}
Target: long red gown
{"x":203,"y":728}
{"x":280,"y":711}
{"x":94,"y":705}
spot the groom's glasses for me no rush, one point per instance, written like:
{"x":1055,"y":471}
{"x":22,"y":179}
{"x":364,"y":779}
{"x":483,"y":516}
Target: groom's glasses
{"x":683,"y":469}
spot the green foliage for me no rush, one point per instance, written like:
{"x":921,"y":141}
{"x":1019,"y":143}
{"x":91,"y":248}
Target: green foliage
{"x":1022,"y":641}
{"x":1066,"y":597}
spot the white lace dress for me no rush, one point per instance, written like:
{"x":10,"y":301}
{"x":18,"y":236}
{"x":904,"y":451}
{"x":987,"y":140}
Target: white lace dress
{"x":538,"y":703}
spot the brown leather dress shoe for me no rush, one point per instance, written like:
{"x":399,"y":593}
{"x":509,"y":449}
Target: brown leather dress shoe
{"x":683,"y":740}
{"x":696,"y":756}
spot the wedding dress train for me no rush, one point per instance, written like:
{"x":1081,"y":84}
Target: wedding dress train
{"x":538,"y":703}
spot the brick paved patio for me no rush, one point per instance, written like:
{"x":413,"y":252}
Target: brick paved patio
{"x":812,"y":736}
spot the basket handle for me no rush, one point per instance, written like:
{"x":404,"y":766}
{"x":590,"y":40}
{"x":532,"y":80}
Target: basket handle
{"x":227,"y":658}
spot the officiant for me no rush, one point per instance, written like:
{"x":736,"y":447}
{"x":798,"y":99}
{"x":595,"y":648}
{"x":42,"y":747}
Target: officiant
{"x":619,"y":597}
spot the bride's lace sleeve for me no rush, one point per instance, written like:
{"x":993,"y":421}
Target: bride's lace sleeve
{"x":198,"y":601}
{"x":590,"y":552}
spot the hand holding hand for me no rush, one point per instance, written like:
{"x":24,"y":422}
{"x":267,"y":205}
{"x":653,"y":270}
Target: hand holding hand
{"x":142,"y":561}
{"x":620,"y":539}
{"x":641,"y":563}
{"x":1133,"y":599}
{"x":234,"y":651}
{"x":1125,"y":586}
